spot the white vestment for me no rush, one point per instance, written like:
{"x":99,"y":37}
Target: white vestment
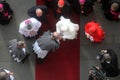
{"x":32,"y":32}
{"x":67,"y":28}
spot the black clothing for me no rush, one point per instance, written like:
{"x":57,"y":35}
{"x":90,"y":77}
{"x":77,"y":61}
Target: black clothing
{"x":111,"y":68}
{"x":32,"y":12}
{"x":106,"y":5}
{"x":64,"y":11}
{"x":76,"y":6}
{"x":90,"y":78}
{"x":97,"y":74}
{"x":88,"y":7}
{"x":5,"y":13}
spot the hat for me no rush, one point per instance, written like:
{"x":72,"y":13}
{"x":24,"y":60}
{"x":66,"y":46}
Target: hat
{"x":114,"y":6}
{"x":3,"y":75}
{"x":1,"y":5}
{"x":92,"y":29}
{"x":29,"y":25}
{"x":82,"y":1}
{"x":61,"y":2}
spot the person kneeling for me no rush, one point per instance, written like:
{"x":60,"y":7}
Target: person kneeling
{"x":49,"y":41}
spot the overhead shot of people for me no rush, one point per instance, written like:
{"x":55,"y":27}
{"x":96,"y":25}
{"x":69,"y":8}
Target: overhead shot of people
{"x":59,"y":39}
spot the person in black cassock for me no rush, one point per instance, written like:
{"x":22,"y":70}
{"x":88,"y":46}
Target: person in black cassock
{"x":109,"y":62}
{"x":111,"y":9}
{"x":39,"y":12}
{"x":86,"y":6}
{"x":5,"y":13}
{"x":59,"y":7}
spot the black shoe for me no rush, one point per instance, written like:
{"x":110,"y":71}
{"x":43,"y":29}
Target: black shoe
{"x":40,"y":61}
{"x":26,"y":57}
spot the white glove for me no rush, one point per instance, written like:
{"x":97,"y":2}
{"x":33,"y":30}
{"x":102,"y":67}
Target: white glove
{"x":119,"y":16}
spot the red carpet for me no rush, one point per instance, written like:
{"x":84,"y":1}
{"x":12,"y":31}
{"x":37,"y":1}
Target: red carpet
{"x":64,"y":63}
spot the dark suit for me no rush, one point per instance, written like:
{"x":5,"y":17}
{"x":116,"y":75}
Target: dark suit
{"x":5,"y":13}
{"x":104,"y":4}
{"x":88,"y":7}
{"x":45,"y":44}
{"x":32,"y":12}
{"x":90,"y":78}
{"x":17,"y":52}
{"x":75,"y":5}
{"x":111,"y":68}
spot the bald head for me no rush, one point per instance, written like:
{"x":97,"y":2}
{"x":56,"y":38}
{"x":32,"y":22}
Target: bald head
{"x":3,"y":75}
{"x":114,"y":6}
{"x":39,"y":12}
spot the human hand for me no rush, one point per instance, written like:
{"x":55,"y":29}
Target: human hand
{"x":119,"y":16}
{"x":10,"y":73}
{"x":9,"y":16}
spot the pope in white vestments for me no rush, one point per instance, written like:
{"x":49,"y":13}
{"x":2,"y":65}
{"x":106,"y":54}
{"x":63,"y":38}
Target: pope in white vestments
{"x":67,"y":28}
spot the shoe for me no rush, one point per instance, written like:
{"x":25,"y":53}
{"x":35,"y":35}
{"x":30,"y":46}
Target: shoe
{"x":26,"y":57}
{"x":40,"y":61}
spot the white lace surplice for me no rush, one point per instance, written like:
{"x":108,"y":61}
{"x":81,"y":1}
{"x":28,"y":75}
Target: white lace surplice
{"x":40,"y":53}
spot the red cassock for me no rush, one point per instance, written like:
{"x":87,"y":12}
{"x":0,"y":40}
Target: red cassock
{"x":94,"y":32}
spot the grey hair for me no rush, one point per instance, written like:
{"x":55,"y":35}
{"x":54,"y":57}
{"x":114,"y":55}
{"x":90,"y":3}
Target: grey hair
{"x":20,"y":43}
{"x":107,"y":57}
{"x":29,"y":26}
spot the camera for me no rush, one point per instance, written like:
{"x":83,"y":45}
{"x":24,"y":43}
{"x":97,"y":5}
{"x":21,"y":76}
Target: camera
{"x":98,"y":73}
{"x":99,"y":56}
